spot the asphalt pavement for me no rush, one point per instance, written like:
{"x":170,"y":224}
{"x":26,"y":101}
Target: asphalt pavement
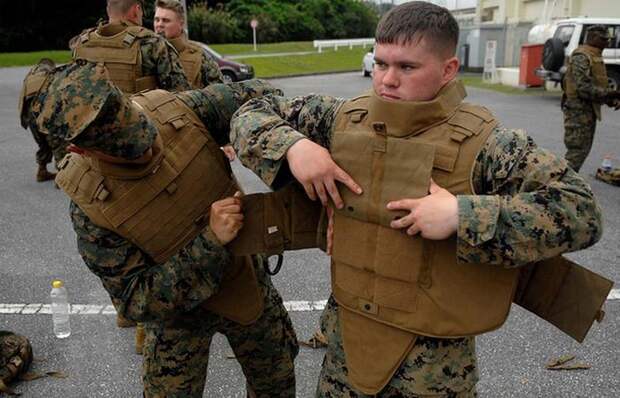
{"x":37,"y":244}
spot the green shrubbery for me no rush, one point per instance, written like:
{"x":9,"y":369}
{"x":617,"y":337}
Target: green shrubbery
{"x":281,"y":20}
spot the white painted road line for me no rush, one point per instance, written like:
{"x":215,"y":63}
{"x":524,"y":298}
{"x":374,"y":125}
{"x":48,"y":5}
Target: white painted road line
{"x":100,"y":309}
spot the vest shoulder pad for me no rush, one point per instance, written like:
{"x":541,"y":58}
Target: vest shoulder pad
{"x":472,"y":119}
{"x":359,"y":103}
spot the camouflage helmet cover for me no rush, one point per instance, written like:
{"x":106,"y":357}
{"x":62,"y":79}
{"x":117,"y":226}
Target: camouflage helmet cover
{"x":84,"y":107}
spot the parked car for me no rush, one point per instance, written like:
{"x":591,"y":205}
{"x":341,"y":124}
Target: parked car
{"x":568,"y":35}
{"x":368,"y":62}
{"x":232,"y":71}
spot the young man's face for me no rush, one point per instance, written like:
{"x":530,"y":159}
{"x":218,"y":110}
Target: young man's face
{"x":411,"y":72}
{"x":168,"y":23}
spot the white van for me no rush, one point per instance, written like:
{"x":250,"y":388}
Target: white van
{"x":567,"y":36}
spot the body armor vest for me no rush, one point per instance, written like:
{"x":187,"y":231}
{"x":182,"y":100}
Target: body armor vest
{"x":117,"y":46}
{"x":162,"y":205}
{"x":598,"y":70}
{"x":190,"y":55}
{"x":391,"y":286}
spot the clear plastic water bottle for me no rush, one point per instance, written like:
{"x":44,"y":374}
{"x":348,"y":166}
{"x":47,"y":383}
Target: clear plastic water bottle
{"x":607,"y":165}
{"x":60,"y":309}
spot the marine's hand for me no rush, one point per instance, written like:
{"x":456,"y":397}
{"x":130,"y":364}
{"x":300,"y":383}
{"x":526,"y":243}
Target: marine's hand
{"x":434,"y":216}
{"x":314,"y":168}
{"x":226,"y":218}
{"x":229,"y":151}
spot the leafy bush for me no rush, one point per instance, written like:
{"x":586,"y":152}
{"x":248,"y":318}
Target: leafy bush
{"x":211,"y":25}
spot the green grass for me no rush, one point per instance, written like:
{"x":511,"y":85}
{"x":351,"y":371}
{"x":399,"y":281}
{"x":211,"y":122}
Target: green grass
{"x":289,"y":46}
{"x":31,"y":58}
{"x":328,"y":61}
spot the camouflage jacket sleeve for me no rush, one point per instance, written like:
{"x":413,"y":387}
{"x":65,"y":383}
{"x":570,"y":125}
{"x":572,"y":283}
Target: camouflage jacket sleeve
{"x":141,"y":289}
{"x":529,"y":205}
{"x":580,"y":66}
{"x":210,"y":71}
{"x":216,"y":103}
{"x":160,"y":59}
{"x":264,"y":128}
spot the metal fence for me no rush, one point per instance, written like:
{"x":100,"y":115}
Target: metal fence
{"x":320,"y":44}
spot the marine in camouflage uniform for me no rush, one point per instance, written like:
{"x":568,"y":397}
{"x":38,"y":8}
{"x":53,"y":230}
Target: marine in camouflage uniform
{"x":49,"y":146}
{"x":168,"y":296}
{"x":137,"y":59}
{"x":200,"y":69}
{"x":157,"y":58}
{"x":169,"y":21}
{"x":585,"y":89}
{"x":525,"y":200}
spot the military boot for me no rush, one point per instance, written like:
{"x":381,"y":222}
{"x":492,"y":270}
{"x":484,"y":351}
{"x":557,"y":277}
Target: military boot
{"x":139,"y":338}
{"x":123,"y":322}
{"x":43,"y":174}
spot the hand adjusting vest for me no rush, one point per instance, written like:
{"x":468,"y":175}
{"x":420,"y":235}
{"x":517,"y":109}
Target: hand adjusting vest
{"x":163,"y":205}
{"x":117,"y":46}
{"x":597,"y":69}
{"x":190,"y":55}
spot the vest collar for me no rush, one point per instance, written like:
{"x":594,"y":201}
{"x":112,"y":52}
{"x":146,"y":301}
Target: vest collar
{"x":404,"y":118}
{"x":179,"y":43}
{"x":113,"y":28}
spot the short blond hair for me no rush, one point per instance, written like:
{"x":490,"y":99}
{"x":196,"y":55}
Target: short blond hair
{"x":172,"y":5}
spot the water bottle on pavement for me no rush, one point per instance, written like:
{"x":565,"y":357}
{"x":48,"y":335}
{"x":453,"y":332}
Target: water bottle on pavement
{"x":60,"y":309}
{"x":607,"y":165}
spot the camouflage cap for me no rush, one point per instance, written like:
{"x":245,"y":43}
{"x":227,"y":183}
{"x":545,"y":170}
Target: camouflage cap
{"x":33,"y":82}
{"x":84,"y":107}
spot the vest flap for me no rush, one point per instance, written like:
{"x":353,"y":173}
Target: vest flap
{"x":445,"y":157}
{"x":373,"y":351}
{"x":120,"y":209}
{"x":74,"y":178}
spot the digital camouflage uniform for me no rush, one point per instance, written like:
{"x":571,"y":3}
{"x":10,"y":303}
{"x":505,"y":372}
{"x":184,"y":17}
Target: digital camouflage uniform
{"x":522,"y":189}
{"x":50,"y":147}
{"x":167,"y":296}
{"x":579,"y":114}
{"x":158,"y":58}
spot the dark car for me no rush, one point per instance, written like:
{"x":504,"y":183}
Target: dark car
{"x":232,"y":71}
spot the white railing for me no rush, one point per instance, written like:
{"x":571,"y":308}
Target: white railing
{"x":320,"y":44}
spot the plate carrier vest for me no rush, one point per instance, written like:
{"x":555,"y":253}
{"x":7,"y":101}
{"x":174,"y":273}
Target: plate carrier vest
{"x":599,"y":74}
{"x":117,"y":46}
{"x":161,"y":206}
{"x":391,"y":286}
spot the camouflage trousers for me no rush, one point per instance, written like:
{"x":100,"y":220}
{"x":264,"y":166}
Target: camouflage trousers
{"x":176,"y":355}
{"x":579,"y":126}
{"x":49,"y":147}
{"x":433,"y":368}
